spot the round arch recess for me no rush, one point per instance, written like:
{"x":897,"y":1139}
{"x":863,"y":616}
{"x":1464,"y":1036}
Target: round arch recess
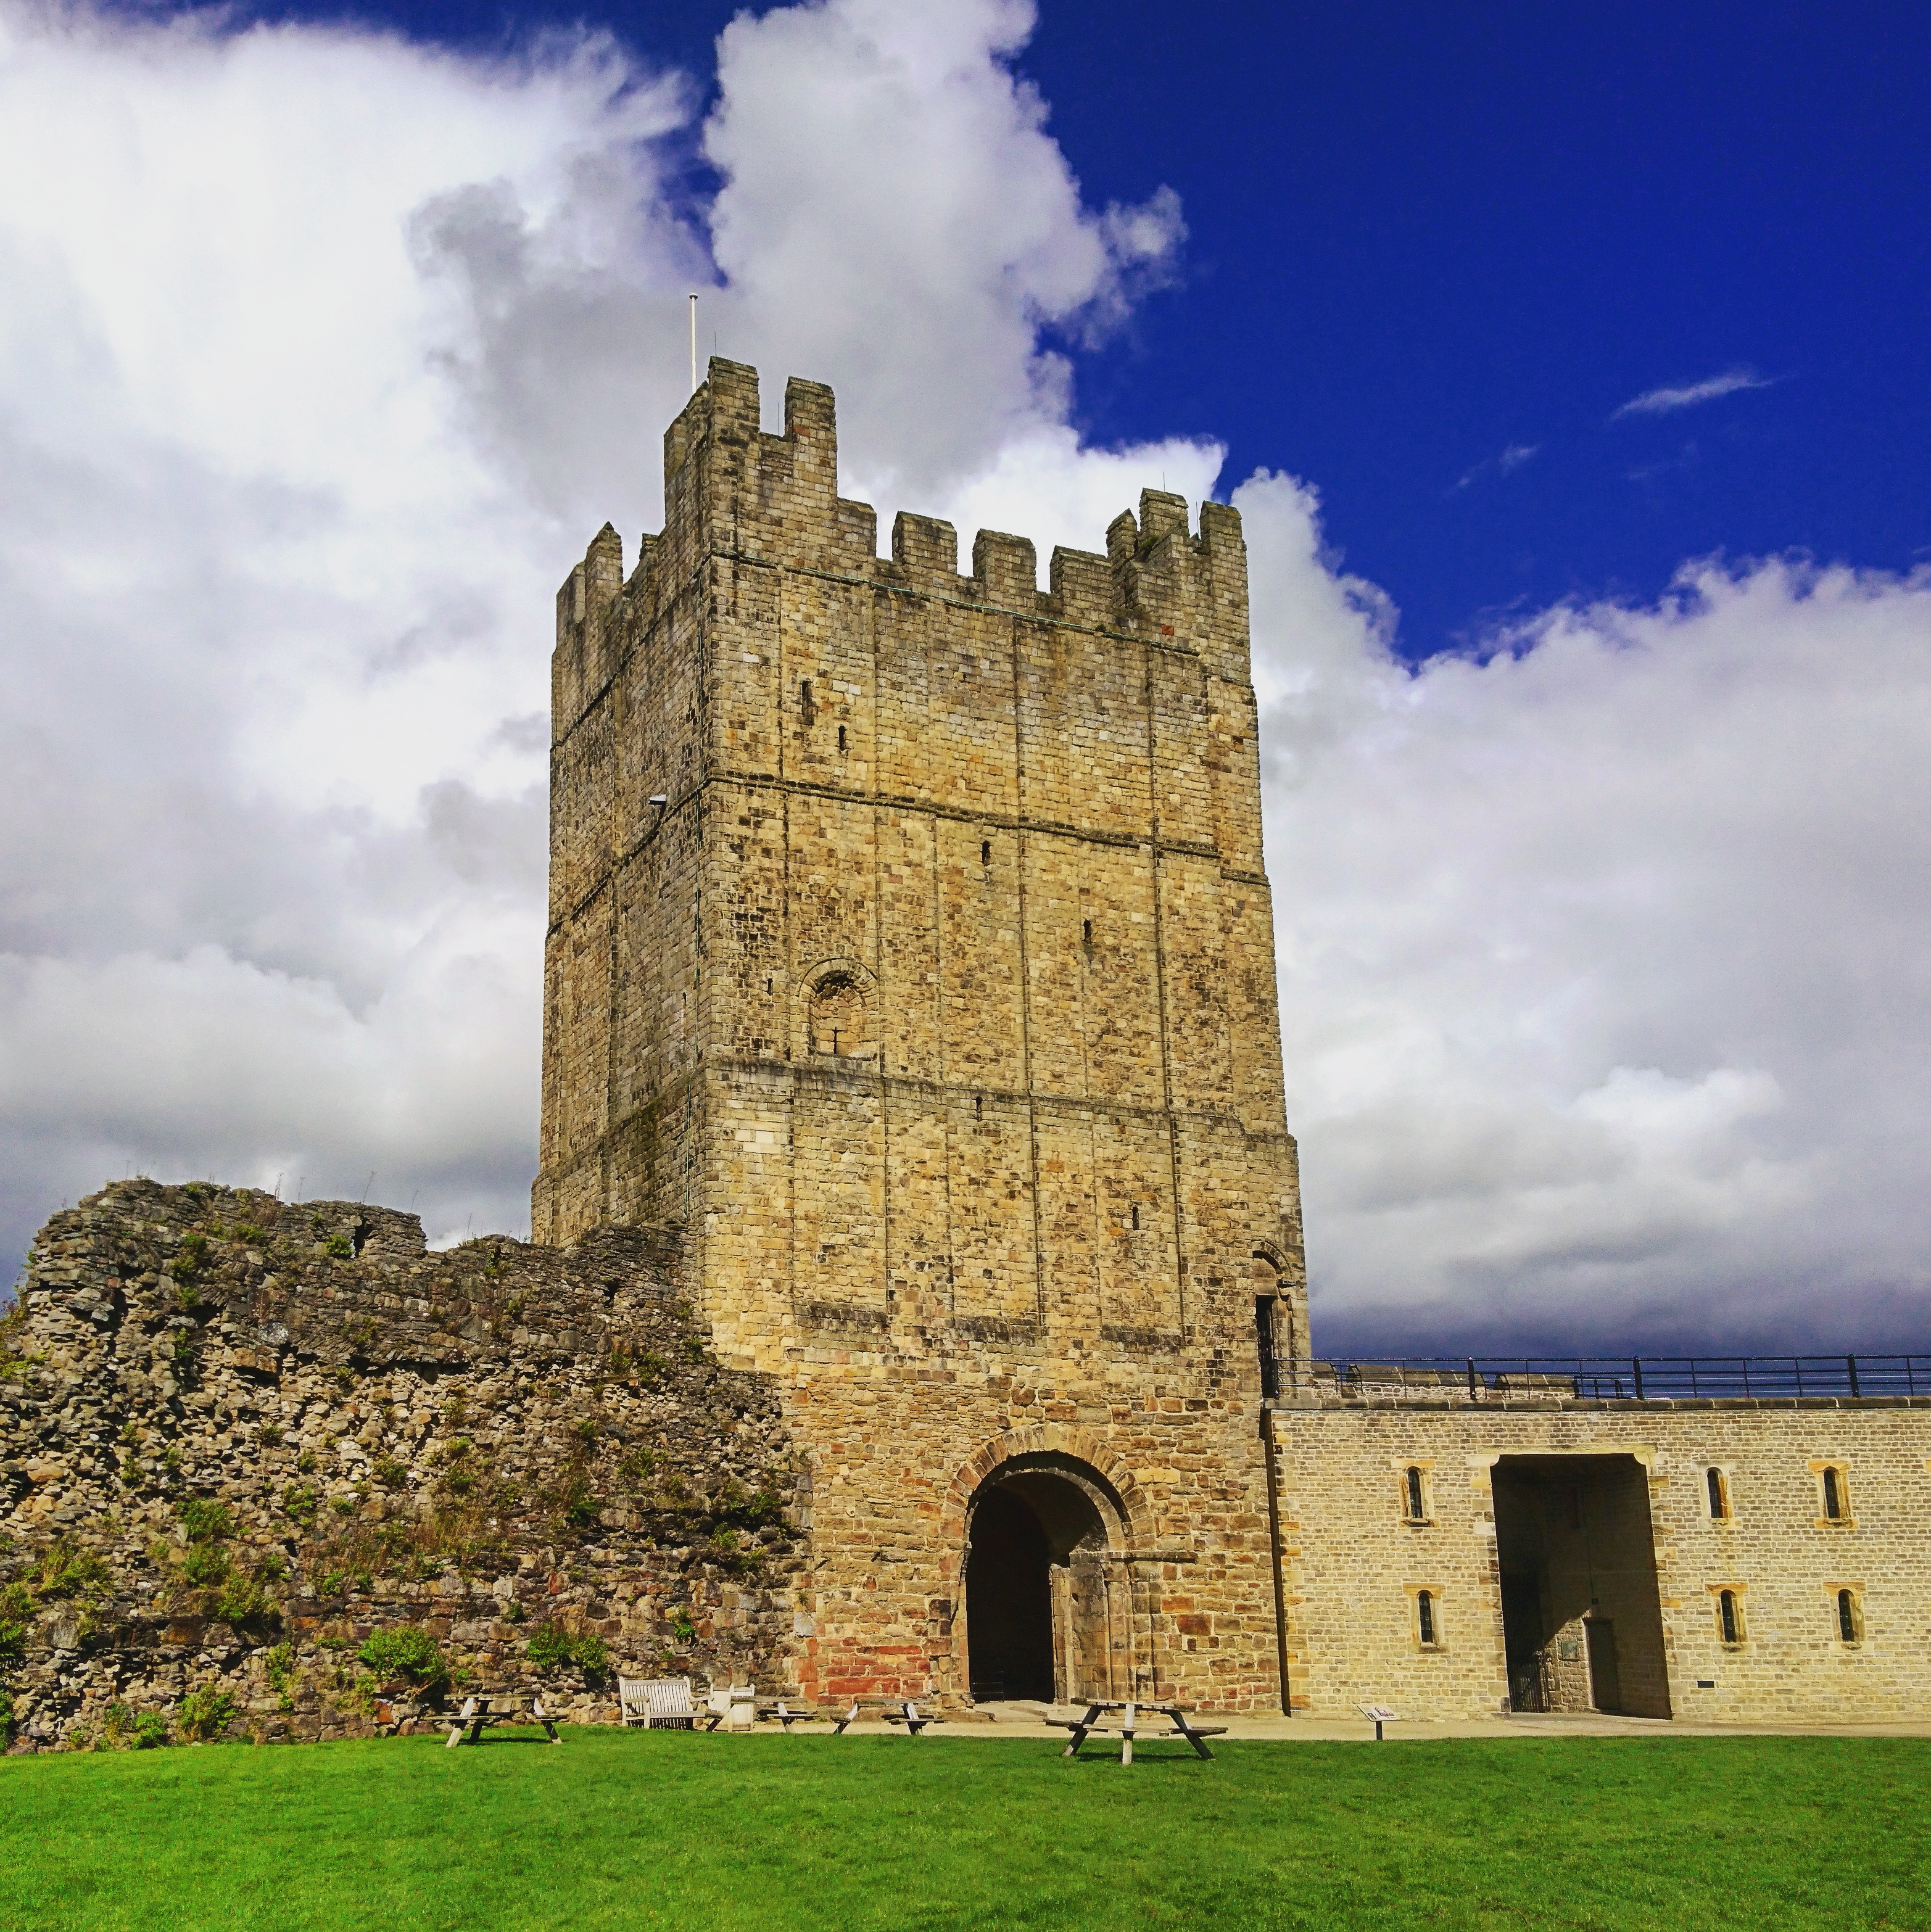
{"x":1040,"y":1532}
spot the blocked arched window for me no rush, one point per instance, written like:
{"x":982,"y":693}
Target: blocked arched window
{"x":838,"y":1018}
{"x":1720,"y":1494}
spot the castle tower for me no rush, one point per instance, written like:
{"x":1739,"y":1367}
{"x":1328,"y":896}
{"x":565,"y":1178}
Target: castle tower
{"x":910,"y":948}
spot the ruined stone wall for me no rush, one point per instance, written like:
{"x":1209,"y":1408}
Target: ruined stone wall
{"x":1352,"y":1563}
{"x":237,"y":1436}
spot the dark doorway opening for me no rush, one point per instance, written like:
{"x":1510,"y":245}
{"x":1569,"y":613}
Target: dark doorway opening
{"x":1009,"y":1601}
{"x":1048,"y":1603}
{"x":1581,"y":1615}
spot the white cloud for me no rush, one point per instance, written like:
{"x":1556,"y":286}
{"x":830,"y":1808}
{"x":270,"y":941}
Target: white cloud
{"x":320,"y":355}
{"x":1508,"y":460}
{"x":1686,"y":395}
{"x":1602,"y":957}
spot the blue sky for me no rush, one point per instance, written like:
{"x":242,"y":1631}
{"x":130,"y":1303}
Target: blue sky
{"x":1567,"y":368}
{"x":1433,"y":250}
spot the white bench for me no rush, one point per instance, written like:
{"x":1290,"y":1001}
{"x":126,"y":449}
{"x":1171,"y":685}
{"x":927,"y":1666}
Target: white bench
{"x":657,"y":1703}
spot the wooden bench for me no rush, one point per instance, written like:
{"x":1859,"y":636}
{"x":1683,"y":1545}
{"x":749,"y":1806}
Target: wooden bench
{"x":1089,"y":1725}
{"x":657,"y":1703}
{"x":907,"y":1713}
{"x":726,"y":1703}
{"x":781,"y":1713}
{"x":479,"y":1711}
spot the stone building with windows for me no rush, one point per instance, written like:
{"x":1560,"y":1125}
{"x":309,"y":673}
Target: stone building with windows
{"x":910,"y":949}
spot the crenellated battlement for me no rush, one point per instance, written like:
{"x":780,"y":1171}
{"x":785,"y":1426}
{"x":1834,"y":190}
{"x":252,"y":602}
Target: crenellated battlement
{"x":731,"y":489}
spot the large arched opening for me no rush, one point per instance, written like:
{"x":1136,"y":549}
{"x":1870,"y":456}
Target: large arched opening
{"x":1048,"y":1607}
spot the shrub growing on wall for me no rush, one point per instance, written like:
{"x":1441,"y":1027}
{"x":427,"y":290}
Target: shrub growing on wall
{"x":408,"y":1653}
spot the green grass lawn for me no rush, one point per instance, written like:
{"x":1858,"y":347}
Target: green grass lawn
{"x":662,"y":1828}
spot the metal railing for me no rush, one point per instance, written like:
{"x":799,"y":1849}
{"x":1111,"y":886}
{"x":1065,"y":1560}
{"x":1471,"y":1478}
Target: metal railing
{"x":1616,"y":1377}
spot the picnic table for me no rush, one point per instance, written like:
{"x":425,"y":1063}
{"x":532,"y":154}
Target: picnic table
{"x":1132,"y":1711}
{"x":781,"y":1713}
{"x":477,"y":1711}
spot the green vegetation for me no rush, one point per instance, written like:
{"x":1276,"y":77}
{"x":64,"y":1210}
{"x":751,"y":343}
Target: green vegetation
{"x":203,"y":1521}
{"x":17,"y":1608}
{"x":188,"y":1259}
{"x":244,"y":1604}
{"x":656,"y":1828}
{"x":551,"y":1647}
{"x":205,"y":1714}
{"x":15,"y":1360}
{"x":205,"y":1566}
{"x":67,"y":1571}
{"x":129,"y":1729}
{"x":408,"y":1653}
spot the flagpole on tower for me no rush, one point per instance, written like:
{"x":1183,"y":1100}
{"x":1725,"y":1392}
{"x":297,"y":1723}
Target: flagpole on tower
{"x":693,"y":345}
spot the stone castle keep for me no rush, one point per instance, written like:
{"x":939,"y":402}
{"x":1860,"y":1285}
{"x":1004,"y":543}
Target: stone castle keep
{"x":916,"y":1305}
{"x":910,"y":948}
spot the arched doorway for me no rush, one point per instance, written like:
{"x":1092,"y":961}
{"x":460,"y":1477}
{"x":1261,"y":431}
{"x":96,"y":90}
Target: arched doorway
{"x":1048,"y":1612}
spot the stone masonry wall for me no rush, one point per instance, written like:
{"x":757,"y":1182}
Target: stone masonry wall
{"x":238,"y":1435}
{"x":910,"y":945}
{"x":1353,"y":1564}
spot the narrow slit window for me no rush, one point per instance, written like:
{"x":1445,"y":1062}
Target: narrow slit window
{"x":978,"y":1106}
{"x":1425,"y":1615}
{"x":841,"y":737}
{"x":1848,"y":1628}
{"x":1136,"y":1217}
{"x":1719,"y":1501}
{"x":1087,"y":933}
{"x":1729,"y":1616}
{"x":1264,"y":1334}
{"x":804,"y":693}
{"x":1413,"y":1500}
{"x":1833,"y":1496}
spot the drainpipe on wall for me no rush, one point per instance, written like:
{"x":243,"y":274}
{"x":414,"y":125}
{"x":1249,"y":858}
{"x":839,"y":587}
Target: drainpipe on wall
{"x":1269,"y":1451}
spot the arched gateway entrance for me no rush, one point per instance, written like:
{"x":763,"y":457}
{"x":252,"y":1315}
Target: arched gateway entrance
{"x":1048,"y":1606}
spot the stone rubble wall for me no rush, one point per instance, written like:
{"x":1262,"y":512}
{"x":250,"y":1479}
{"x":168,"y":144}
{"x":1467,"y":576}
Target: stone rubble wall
{"x":485,"y":1444}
